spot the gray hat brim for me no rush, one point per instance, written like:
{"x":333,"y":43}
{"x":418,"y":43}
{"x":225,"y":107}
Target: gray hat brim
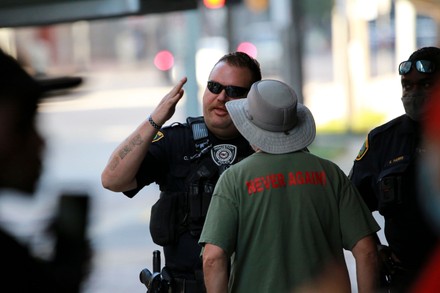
{"x":298,"y":138}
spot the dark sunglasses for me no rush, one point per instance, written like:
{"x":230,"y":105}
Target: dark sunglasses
{"x":423,"y":66}
{"x":231,"y":90}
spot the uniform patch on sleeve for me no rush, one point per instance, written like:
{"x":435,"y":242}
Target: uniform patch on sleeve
{"x":159,"y":135}
{"x":363,"y":150}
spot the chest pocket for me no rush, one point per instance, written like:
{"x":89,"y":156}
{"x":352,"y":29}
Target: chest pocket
{"x":178,"y":174}
{"x":391,"y":186}
{"x":168,"y":213}
{"x":200,"y":184}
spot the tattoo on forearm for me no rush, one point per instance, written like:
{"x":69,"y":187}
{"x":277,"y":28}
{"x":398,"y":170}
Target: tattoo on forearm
{"x":114,"y":163}
{"x":136,"y":141}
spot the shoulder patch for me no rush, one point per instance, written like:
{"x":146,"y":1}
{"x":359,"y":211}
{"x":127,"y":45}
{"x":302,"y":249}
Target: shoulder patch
{"x":159,"y":135}
{"x":363,"y":150}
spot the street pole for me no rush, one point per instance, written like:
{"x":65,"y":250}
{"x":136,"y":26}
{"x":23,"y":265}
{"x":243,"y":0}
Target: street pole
{"x":341,"y":60}
{"x":292,"y":39}
{"x":229,"y":28}
{"x":191,"y":88}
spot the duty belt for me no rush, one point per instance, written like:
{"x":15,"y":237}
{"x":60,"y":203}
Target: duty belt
{"x":184,"y":286}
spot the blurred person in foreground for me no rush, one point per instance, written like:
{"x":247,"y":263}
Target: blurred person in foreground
{"x":385,"y":173}
{"x":283,"y":214}
{"x":185,"y":159}
{"x":429,"y":187}
{"x":21,"y":149}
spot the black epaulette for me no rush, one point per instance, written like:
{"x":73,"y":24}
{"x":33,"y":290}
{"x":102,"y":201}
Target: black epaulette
{"x":396,"y":122}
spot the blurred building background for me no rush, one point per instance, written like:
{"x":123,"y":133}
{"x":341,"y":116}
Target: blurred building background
{"x":341,"y":56}
{"x":348,"y":49}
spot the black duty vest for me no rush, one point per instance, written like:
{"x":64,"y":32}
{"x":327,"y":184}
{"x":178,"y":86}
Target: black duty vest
{"x":177,"y":212}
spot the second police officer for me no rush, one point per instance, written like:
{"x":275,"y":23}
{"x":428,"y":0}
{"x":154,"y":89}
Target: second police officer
{"x":385,"y":173}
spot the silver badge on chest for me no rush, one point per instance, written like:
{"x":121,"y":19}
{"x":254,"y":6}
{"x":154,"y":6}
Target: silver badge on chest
{"x":224,"y":154}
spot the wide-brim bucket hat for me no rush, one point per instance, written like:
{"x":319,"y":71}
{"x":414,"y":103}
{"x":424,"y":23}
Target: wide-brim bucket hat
{"x":272,"y":119}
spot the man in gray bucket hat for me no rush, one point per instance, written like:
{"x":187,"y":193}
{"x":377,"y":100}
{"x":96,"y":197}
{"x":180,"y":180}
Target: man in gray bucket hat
{"x":283,"y":215}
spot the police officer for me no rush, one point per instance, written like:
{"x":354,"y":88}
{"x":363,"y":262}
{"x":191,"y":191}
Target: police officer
{"x":185,"y":160}
{"x":384,"y":171}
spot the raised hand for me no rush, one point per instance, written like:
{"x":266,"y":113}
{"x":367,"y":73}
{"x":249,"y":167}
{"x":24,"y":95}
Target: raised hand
{"x":167,"y":106}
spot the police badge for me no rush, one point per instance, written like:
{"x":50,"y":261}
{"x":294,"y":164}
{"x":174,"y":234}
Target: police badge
{"x":224,"y":154}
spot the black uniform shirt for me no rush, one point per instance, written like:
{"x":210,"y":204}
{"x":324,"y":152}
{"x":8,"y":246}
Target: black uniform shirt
{"x":385,"y":174}
{"x":168,"y":164}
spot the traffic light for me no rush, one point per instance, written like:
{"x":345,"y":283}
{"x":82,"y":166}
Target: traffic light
{"x":214,"y":4}
{"x":248,"y":48}
{"x":164,"y":60}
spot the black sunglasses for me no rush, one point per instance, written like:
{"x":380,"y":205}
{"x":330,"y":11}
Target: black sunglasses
{"x":423,"y":66}
{"x":231,"y":90}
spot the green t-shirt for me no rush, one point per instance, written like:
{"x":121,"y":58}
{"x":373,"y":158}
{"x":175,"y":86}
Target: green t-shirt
{"x":282,"y":218}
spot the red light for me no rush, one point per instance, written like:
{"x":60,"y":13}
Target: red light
{"x":164,"y":60}
{"x":214,"y":4}
{"x":248,"y":48}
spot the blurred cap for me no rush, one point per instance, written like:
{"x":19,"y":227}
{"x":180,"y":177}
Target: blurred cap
{"x":16,"y":83}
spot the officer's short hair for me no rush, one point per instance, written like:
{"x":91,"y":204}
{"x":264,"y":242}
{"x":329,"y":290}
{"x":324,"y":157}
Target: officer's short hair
{"x":241,"y":59}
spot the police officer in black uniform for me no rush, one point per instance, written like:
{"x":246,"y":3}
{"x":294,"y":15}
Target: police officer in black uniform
{"x":385,"y":173}
{"x":185,"y":159}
